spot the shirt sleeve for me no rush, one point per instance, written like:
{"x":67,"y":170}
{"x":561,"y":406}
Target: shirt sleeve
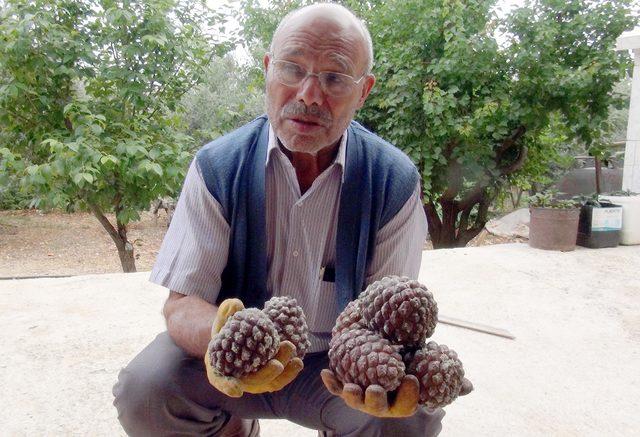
{"x":195,"y":248}
{"x":400,"y":242}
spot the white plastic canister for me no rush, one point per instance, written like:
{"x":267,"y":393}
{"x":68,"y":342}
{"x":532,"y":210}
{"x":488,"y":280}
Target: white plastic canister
{"x":630,"y":232}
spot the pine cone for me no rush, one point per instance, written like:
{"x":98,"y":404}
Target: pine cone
{"x":363,"y":357}
{"x":246,"y":342}
{"x":401,"y":309}
{"x":349,"y":318}
{"x":290,"y":322}
{"x":439,"y":372}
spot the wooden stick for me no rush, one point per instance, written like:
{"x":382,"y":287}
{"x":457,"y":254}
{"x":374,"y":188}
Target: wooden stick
{"x":475,"y":327}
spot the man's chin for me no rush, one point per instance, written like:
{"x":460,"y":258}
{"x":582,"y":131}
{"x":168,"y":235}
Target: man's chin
{"x":303,"y":143}
{"x":297,"y":147}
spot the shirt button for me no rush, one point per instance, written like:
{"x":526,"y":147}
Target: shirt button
{"x":295,"y":253}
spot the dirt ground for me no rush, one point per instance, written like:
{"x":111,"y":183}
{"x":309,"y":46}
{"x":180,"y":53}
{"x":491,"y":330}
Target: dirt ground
{"x":33,"y":243}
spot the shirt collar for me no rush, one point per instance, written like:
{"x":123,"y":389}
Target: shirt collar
{"x":339,"y":160}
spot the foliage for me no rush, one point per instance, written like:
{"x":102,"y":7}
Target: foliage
{"x":549,"y":199}
{"x":227,"y":98}
{"x":88,"y":101}
{"x":593,"y":200}
{"x":625,"y":193}
{"x":475,"y":113}
{"x":11,"y":194}
{"x":259,"y":21}
{"x":481,"y":103}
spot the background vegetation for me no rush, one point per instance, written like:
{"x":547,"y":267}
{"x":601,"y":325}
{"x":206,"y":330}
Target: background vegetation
{"x":103,"y":103}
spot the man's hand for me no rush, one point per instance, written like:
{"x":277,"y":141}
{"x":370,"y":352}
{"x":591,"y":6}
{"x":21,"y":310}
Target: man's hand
{"x":273,"y":376}
{"x":374,"y":400}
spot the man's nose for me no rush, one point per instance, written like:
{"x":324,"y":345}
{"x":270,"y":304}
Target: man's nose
{"x":310,"y":91}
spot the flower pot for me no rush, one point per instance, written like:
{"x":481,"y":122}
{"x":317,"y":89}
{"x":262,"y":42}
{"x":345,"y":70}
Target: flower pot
{"x":599,"y":226}
{"x":553,"y":228}
{"x":630,"y":231}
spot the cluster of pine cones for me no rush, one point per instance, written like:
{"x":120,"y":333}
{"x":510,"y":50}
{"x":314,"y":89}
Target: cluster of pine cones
{"x":251,"y":337}
{"x":381,"y":337}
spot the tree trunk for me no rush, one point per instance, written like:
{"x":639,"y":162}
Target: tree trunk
{"x":126,"y":258}
{"x":453,"y":229}
{"x":119,"y":237}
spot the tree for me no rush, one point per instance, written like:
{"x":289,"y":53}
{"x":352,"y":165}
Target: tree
{"x":473,"y":112}
{"x":227,"y":98}
{"x":87,"y":105}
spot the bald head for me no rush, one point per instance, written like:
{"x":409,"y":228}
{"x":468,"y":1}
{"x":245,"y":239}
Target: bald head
{"x":338,"y":15}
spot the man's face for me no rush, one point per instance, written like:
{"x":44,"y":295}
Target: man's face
{"x":305,"y":117}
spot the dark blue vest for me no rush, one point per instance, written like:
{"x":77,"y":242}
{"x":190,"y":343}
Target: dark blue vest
{"x":378,"y":180}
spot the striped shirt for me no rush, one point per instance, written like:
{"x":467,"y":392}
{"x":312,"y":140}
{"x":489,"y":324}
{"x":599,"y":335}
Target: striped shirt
{"x":300,"y":235}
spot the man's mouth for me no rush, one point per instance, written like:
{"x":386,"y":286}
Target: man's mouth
{"x":306,"y":121}
{"x":306,"y":124}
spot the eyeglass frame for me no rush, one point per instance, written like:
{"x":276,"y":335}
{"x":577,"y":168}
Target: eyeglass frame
{"x":309,"y":73}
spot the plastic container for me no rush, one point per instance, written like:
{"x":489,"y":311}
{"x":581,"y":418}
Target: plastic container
{"x":599,"y":226}
{"x":630,"y":231}
{"x":553,"y":228}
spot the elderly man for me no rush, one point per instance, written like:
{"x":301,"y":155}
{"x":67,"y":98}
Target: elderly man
{"x":303,"y":202}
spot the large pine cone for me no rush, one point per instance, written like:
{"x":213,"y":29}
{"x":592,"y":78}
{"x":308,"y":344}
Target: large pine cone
{"x":440,"y":373}
{"x":401,"y":309}
{"x":246,"y":342}
{"x":349,"y":318}
{"x":290,"y":322}
{"x":363,"y":357}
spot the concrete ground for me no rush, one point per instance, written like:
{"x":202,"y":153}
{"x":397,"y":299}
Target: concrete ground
{"x":571,"y":371}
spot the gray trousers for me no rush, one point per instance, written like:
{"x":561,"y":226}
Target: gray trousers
{"x":165,"y":392}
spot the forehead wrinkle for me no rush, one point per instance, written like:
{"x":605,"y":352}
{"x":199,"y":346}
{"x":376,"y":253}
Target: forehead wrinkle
{"x":338,"y":50}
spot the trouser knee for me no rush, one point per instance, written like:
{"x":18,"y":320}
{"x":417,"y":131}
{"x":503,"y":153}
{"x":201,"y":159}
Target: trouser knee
{"x":140,"y":396}
{"x":160,"y":393}
{"x":423,"y":423}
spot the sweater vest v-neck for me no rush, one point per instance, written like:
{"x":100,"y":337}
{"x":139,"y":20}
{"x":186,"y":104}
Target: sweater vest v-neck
{"x":378,"y":180}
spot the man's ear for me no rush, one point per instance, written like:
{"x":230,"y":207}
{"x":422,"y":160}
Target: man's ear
{"x":369,"y":81}
{"x":266,"y":61}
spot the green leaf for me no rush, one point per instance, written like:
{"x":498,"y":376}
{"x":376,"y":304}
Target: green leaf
{"x":156,"y":168}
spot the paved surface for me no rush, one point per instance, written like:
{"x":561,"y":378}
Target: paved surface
{"x":571,"y":371}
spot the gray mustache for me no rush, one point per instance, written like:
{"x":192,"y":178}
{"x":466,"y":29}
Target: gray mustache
{"x":298,"y":108}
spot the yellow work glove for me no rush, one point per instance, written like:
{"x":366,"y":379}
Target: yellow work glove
{"x":374,"y":400}
{"x":273,"y":376}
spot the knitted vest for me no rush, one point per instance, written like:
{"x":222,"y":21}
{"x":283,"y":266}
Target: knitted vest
{"x":378,"y":180}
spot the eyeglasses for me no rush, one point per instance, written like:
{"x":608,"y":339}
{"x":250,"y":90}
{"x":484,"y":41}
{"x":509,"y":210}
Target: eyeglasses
{"x":334,"y":84}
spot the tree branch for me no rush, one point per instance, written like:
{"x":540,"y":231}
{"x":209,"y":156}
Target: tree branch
{"x":68,"y":124}
{"x":433,"y":220}
{"x":454,"y":181}
{"x":517,"y":164}
{"x":465,"y":235}
{"x":106,"y":224}
{"x":464,"y":220}
{"x":509,"y":142}
{"x":483,"y":210}
{"x":474,"y":196}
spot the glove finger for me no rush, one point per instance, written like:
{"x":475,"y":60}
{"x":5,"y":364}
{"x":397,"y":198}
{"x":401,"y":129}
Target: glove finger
{"x":288,"y":374}
{"x":225,"y":384}
{"x":331,"y":382}
{"x":262,"y":376}
{"x":467,"y":387}
{"x":226,"y":309}
{"x":375,"y":400}
{"x":286,"y":351}
{"x":352,"y":395}
{"x":406,"y":401}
